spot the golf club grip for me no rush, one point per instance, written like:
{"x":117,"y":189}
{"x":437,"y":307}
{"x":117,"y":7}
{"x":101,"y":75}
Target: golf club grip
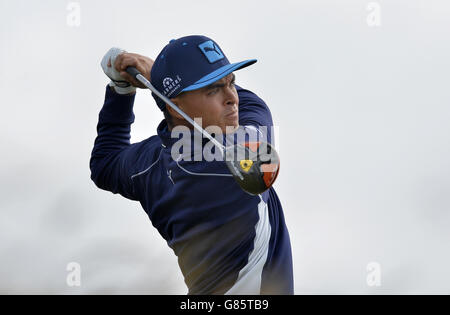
{"x":133,"y":71}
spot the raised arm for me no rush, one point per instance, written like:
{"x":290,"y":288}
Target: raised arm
{"x":114,"y":159}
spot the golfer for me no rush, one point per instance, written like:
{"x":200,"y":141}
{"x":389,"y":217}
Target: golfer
{"x":227,"y":241}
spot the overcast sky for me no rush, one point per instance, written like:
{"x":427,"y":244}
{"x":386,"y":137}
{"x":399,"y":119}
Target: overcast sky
{"x":360,"y":94}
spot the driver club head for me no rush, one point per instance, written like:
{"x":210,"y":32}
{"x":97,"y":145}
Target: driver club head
{"x":254,"y":165}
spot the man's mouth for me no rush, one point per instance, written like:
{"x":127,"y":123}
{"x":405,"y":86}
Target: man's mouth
{"x":232,"y":114}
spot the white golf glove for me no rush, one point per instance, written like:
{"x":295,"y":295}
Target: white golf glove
{"x":121,"y":86}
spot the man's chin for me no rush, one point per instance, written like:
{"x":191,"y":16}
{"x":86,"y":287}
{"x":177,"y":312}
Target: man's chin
{"x":230,"y":127}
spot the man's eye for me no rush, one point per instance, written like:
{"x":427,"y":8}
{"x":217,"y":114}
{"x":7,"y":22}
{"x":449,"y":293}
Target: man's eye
{"x":211,"y":92}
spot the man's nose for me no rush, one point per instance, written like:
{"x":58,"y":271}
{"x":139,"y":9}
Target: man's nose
{"x":230,"y":96}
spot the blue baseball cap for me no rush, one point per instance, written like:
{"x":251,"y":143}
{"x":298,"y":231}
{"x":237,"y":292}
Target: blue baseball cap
{"x":190,"y":63}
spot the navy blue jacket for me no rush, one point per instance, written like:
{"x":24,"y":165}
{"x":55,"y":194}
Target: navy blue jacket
{"x":226,"y":241}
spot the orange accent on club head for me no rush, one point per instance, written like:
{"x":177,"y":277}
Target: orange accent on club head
{"x":252,"y":145}
{"x":270,"y":173}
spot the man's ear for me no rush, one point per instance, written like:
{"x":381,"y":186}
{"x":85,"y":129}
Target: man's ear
{"x":172,"y":112}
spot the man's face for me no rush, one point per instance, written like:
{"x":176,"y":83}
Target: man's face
{"x":217,"y":104}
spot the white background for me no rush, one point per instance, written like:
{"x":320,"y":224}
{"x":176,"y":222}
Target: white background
{"x":363,"y":115}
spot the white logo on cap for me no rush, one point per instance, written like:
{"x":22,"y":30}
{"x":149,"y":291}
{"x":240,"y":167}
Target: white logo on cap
{"x":170,"y":85}
{"x":167,"y":82}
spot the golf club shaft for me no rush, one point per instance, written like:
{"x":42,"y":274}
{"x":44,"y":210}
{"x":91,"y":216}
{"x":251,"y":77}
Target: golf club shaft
{"x":136,"y":74}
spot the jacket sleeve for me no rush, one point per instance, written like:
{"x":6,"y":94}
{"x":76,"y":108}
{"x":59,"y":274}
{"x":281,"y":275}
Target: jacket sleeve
{"x":253,"y":111}
{"x":113,"y":159}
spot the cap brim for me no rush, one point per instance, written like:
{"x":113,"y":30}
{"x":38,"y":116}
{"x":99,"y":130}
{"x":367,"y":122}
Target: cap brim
{"x":218,"y":74}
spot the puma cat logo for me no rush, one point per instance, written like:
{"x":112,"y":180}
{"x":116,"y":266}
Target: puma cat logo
{"x":212,"y":49}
